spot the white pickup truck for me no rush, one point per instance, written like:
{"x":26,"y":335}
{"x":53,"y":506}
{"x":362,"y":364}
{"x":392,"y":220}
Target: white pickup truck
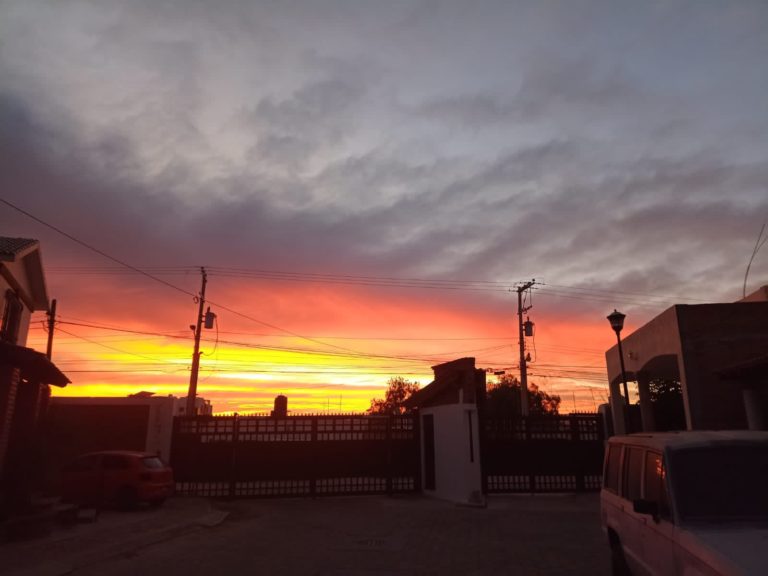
{"x":687,"y":503}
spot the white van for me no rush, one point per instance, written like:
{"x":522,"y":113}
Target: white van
{"x":687,"y":503}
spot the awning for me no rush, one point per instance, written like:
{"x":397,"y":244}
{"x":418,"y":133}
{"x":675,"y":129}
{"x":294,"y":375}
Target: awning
{"x":34,"y":366}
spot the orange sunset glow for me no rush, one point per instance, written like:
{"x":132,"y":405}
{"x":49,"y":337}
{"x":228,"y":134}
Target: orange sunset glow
{"x":343,"y":344}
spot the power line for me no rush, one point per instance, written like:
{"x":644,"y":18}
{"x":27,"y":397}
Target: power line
{"x":94,"y":249}
{"x":161,"y":281}
{"x":404,"y":282}
{"x":361,"y":355}
{"x":108,"y":347}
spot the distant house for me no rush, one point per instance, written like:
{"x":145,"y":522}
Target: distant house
{"x":25,"y":374}
{"x":718,"y":354}
{"x":202,"y":407}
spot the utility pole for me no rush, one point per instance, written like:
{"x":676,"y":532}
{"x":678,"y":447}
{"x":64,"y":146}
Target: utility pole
{"x":523,"y":364}
{"x":192,"y":392}
{"x":51,"y":325}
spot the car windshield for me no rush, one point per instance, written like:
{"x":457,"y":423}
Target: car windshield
{"x":723,"y":483}
{"x":153,"y":462}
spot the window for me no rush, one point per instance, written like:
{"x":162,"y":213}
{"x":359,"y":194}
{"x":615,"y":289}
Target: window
{"x":612,"y":468}
{"x":9,"y":332}
{"x":633,"y":467}
{"x":84,"y":464}
{"x":152,"y":463}
{"x":656,"y":482}
{"x":721,"y":483}
{"x":115,"y":462}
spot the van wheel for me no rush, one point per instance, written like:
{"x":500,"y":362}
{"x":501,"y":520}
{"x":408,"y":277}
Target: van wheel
{"x":127,"y":499}
{"x":619,"y":565}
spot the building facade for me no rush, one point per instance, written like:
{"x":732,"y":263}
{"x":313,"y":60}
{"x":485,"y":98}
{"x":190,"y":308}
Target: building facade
{"x":25,"y":374}
{"x":717,"y":353}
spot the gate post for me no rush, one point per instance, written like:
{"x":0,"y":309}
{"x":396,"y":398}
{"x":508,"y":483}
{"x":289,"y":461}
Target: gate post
{"x":312,"y":464}
{"x":233,"y":457}
{"x":390,"y":424}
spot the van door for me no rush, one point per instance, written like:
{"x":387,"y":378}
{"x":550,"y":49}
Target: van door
{"x":659,"y":533}
{"x":633,"y":524}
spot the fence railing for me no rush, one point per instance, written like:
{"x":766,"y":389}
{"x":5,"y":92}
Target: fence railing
{"x":263,"y":456}
{"x":542,"y":454}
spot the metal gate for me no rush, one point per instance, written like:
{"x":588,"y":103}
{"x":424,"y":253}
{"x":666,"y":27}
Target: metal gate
{"x":542,"y":454}
{"x":265,"y":456}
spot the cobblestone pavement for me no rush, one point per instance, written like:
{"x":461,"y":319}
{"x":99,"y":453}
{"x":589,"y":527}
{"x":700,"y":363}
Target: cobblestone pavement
{"x":366,"y":536}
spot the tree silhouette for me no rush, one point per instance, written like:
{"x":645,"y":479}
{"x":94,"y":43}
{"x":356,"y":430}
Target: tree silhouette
{"x":398,"y":391}
{"x":667,"y":399}
{"x":503,"y":399}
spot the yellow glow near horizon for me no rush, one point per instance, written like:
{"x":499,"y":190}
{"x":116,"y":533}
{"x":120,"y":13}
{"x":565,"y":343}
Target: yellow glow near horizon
{"x":331,"y":373}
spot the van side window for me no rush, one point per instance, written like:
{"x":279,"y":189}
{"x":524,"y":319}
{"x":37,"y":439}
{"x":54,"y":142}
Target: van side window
{"x":115,"y":462}
{"x":633,"y":469}
{"x":612,"y":468}
{"x":656,"y":482}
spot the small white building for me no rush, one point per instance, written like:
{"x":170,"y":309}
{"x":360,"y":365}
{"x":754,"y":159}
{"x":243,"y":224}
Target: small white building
{"x":450,"y":432}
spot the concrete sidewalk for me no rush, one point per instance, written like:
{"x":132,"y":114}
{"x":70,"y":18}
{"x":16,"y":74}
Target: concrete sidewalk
{"x":113,"y":534}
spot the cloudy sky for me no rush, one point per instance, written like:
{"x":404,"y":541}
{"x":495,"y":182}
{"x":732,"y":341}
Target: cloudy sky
{"x":371,"y":180}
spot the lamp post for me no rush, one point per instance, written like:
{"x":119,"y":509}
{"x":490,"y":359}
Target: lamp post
{"x":616,"y":319}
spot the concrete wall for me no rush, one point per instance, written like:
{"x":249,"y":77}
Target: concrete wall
{"x":158,"y":424}
{"x":693,"y":343}
{"x":457,"y":453}
{"x":715,"y":336}
{"x":652,"y":351}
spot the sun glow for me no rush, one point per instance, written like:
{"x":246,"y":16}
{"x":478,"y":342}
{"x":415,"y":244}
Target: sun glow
{"x":355,"y":342}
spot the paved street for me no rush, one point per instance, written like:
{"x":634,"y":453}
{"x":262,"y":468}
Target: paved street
{"x":365,"y":536}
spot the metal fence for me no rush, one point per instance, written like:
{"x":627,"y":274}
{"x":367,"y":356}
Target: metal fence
{"x":542,"y":454}
{"x":264,"y":456}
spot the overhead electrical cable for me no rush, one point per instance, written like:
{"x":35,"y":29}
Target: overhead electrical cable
{"x":161,"y":281}
{"x":393,"y":281}
{"x":108,"y":347}
{"x":96,"y":250}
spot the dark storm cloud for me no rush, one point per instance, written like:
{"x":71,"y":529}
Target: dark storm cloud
{"x":373,"y":143}
{"x":550,"y":88}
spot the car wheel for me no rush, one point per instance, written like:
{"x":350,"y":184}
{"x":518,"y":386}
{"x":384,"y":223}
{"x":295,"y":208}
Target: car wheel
{"x":127,"y":499}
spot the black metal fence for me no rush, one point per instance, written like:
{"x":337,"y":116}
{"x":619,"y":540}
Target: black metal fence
{"x":264,"y":456}
{"x":542,"y":454}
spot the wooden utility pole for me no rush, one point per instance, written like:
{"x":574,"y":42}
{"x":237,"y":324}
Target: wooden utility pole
{"x":523,"y":365}
{"x":51,"y":325}
{"x":192,"y":392}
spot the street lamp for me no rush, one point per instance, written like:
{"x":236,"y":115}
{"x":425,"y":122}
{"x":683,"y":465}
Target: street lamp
{"x":616,"y":319}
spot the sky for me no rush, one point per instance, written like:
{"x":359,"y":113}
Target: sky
{"x":367,"y":184}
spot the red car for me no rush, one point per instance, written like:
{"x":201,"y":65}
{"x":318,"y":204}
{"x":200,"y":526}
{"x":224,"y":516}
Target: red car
{"x":117,"y":477}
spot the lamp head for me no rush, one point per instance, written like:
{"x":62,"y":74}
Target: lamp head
{"x":616,"y":319}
